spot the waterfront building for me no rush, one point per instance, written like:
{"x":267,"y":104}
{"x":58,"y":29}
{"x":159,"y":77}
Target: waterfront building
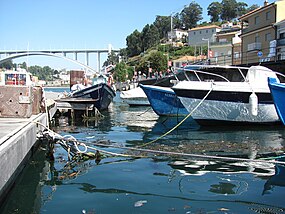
{"x":259,"y":32}
{"x":226,"y":49}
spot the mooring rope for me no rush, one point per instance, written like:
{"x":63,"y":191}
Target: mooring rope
{"x":175,"y":127}
{"x":54,"y":135}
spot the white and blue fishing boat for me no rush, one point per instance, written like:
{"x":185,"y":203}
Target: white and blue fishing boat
{"x":228,"y":95}
{"x":164,"y":101}
{"x":277,"y":90}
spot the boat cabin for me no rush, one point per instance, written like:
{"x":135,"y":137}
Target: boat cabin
{"x":20,"y":78}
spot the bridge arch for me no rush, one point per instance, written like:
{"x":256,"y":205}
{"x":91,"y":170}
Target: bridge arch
{"x":19,"y":55}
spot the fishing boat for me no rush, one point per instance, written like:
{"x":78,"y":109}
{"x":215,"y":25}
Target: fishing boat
{"x":278,"y":94}
{"x":135,"y":97}
{"x":156,"y":95}
{"x":100,"y":94}
{"x":228,"y":94}
{"x":164,"y":101}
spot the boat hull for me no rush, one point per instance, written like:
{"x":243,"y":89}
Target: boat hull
{"x":135,"y":97}
{"x":164,"y":101}
{"x":100,"y":95}
{"x":278,"y":94}
{"x":228,"y":107}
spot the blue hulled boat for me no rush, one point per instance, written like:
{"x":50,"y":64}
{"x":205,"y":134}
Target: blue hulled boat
{"x":277,"y":90}
{"x":163,"y":101}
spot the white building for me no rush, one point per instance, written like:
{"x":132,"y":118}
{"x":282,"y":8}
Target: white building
{"x":200,"y":35}
{"x":177,"y":35}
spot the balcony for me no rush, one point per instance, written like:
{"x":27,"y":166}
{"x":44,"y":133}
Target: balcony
{"x":280,"y":42}
{"x":254,"y":46}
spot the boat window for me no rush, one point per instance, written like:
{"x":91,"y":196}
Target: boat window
{"x":221,"y":74}
{"x":15,"y":79}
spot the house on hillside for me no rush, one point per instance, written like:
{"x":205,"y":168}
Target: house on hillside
{"x":226,"y":49}
{"x":200,"y":35}
{"x":176,"y":35}
{"x":259,"y":32}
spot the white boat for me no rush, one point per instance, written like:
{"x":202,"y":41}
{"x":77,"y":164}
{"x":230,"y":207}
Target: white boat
{"x":135,"y":97}
{"x":228,"y":94}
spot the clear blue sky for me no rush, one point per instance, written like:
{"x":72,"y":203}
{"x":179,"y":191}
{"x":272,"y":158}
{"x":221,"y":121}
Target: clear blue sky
{"x":69,"y":24}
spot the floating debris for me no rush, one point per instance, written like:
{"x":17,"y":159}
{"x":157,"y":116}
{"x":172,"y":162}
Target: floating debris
{"x":140,"y":203}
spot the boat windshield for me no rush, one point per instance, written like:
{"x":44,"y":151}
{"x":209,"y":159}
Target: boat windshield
{"x":221,"y":74}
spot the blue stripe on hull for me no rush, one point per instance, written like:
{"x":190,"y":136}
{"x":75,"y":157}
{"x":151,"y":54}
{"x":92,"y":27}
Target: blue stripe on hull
{"x":164,"y":102}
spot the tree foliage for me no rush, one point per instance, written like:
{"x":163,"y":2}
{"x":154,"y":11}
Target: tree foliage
{"x":150,"y":37}
{"x":134,"y":43}
{"x":43,"y":73}
{"x":191,"y":15}
{"x":241,"y":9}
{"x":229,"y":10}
{"x":112,"y":59}
{"x":252,"y":7}
{"x":214,"y":11}
{"x":7,"y":65}
{"x":156,"y":60}
{"x":162,"y":23}
{"x":123,"y":72}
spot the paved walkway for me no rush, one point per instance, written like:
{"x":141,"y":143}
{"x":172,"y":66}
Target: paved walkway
{"x":10,"y":126}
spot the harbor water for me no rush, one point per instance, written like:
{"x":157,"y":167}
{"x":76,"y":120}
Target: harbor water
{"x":144,"y":182}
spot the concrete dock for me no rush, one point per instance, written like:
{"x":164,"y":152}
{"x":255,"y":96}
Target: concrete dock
{"x":17,"y":138}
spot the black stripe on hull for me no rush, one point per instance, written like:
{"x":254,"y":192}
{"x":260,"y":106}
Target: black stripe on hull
{"x":227,"y":96}
{"x":233,"y":123}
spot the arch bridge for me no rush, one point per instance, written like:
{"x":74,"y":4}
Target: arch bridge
{"x":13,"y":54}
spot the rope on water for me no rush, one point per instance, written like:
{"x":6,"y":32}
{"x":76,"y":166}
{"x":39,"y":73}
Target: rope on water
{"x":175,"y":127}
{"x":148,"y":109}
{"x":193,"y":155}
{"x":70,"y":138}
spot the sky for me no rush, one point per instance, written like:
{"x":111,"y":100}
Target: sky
{"x":80,"y":24}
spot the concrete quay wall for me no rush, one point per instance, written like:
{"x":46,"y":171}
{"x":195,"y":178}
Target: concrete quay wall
{"x":15,"y":147}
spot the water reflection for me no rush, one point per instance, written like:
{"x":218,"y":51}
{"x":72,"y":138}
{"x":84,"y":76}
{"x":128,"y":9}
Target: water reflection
{"x":168,"y":183}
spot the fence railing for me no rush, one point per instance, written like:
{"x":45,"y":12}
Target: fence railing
{"x":249,"y":57}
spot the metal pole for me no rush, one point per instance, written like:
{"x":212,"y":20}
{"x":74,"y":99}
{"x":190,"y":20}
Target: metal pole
{"x":171,"y":27}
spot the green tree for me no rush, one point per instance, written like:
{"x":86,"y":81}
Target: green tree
{"x":7,"y":65}
{"x":123,"y":72}
{"x":155,"y":60}
{"x":214,"y":10}
{"x":134,"y":44}
{"x":158,"y":61}
{"x":112,"y":59}
{"x":150,"y":37}
{"x":229,"y":11}
{"x":191,"y":15}
{"x":252,"y":7}
{"x":241,"y":9}
{"x":124,"y":54}
{"x":23,"y":65}
{"x":162,"y":23}
{"x":43,"y":73}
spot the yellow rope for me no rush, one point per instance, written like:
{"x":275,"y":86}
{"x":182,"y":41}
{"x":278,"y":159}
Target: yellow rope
{"x":175,"y":127}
